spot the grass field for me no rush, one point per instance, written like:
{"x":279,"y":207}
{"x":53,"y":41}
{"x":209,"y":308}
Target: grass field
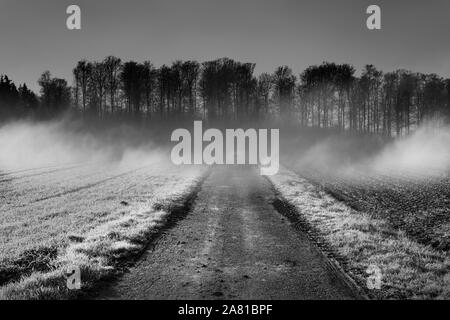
{"x":87,"y":214}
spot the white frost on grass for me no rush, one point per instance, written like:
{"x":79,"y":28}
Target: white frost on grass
{"x":105,"y":242}
{"x":409,"y":270}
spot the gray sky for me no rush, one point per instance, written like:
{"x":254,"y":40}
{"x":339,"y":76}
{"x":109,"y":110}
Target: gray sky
{"x":34,"y":38}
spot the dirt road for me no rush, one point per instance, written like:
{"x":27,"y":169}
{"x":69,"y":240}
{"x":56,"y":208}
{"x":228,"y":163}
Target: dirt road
{"x":233,"y":245}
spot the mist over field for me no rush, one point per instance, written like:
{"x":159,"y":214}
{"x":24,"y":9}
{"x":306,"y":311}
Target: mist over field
{"x":115,"y":177}
{"x":424,"y":152}
{"x":28,"y":144}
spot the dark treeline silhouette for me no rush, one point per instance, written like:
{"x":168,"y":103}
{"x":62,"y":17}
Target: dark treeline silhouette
{"x":14,"y":102}
{"x":391,"y":103}
{"x":325,"y":96}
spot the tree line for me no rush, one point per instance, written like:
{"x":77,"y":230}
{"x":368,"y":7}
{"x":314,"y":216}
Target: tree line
{"x":327,"y":96}
{"x":383,"y":103}
{"x":16,"y":101}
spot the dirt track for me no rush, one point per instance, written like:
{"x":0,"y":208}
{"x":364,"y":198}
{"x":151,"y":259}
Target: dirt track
{"x":233,"y":245}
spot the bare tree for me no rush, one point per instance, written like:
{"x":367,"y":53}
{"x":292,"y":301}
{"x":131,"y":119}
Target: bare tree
{"x":82,"y":74}
{"x":284,"y":84}
{"x":112,"y":68}
{"x":99,"y":82}
{"x":149,"y":78}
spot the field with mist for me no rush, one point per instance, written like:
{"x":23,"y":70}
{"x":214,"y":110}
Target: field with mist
{"x":211,"y":150}
{"x":404,"y":181}
{"x":374,"y":201}
{"x":70,"y":198}
{"x":94,"y":197}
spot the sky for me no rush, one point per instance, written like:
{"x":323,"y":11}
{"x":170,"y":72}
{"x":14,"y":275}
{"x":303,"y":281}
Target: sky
{"x":270,"y":33}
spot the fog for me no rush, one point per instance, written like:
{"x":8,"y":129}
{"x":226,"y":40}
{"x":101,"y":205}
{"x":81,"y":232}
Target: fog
{"x":27,"y":144}
{"x":425,"y":152}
